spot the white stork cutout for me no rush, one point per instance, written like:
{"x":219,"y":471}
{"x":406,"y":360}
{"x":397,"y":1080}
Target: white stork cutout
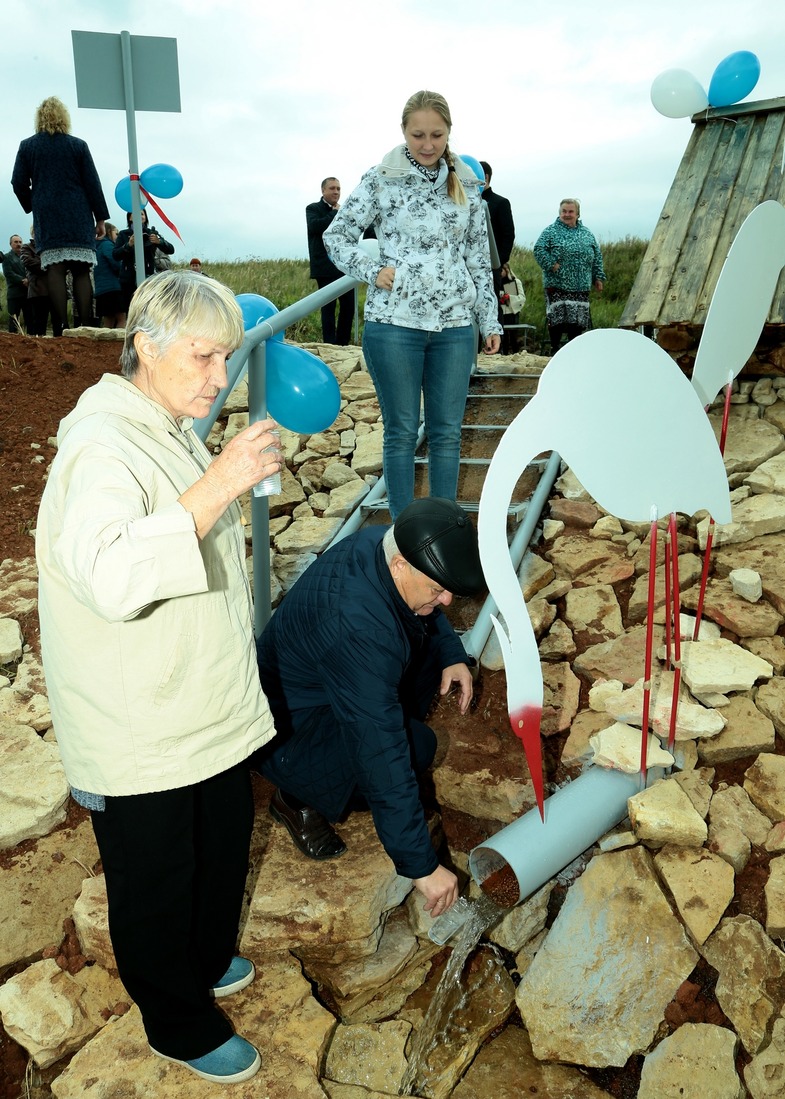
{"x":632,"y":428}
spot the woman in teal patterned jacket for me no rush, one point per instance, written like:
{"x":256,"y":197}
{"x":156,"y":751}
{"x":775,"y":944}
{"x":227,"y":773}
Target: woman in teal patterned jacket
{"x":571,"y":264}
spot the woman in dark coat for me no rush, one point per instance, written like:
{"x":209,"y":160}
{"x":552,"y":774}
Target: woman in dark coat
{"x":54,"y":177}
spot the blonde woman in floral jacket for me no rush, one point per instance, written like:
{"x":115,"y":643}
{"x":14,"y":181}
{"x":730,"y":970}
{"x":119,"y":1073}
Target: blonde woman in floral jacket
{"x":430,"y":283}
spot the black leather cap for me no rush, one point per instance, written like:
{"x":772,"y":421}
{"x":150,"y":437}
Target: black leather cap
{"x":437,"y":537}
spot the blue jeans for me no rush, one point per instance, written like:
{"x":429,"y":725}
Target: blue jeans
{"x":403,"y":363}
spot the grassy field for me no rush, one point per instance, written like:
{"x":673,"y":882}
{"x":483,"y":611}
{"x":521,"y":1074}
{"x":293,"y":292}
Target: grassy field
{"x":285,"y":281}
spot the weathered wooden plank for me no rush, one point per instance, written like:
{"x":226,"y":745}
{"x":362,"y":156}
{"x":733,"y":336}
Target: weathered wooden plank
{"x":732,"y":162}
{"x":652,"y":284}
{"x":705,"y":225}
{"x":753,"y":186}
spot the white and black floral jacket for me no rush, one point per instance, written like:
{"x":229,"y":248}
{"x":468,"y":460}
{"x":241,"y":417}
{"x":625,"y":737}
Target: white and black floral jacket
{"x":439,"y":249}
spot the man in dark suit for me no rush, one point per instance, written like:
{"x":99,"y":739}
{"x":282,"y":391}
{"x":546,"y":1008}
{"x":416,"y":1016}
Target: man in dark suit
{"x":503,"y":228}
{"x":318,"y":216}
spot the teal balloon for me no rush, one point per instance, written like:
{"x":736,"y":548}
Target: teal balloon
{"x":734,"y":77}
{"x":476,"y":167}
{"x":122,"y":195}
{"x":256,"y":309}
{"x":302,"y":392}
{"x":162,"y":180}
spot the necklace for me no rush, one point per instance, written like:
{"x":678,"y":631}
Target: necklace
{"x":431,"y":174}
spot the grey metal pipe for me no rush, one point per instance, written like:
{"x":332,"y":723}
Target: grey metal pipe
{"x":519,"y":859}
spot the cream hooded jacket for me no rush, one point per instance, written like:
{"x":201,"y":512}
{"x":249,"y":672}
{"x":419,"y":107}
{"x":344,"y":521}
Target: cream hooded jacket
{"x":438,"y":248}
{"x":146,"y":632}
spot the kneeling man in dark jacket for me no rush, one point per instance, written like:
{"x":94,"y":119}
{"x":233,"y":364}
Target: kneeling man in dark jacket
{"x":350,"y":663}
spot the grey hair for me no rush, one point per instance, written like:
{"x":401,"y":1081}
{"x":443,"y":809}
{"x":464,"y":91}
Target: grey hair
{"x":173,"y":304}
{"x":389,"y":545}
{"x":571,"y":202}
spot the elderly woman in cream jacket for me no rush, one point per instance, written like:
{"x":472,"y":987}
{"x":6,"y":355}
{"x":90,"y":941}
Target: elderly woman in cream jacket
{"x":148,"y":651}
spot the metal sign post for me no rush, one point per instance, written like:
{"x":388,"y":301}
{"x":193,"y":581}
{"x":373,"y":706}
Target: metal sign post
{"x":127,"y":72}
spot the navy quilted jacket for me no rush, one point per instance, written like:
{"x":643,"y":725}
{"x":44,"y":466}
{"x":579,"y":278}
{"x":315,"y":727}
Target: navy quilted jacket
{"x":331,"y":661}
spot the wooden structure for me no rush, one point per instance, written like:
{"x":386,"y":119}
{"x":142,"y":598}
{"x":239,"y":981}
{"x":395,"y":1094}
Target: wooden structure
{"x":735,"y":159}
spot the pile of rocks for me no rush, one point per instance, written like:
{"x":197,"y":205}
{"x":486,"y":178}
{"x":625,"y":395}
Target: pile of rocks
{"x":613,"y":975}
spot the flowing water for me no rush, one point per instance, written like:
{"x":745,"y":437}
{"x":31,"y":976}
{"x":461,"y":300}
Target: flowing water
{"x":482,"y":914}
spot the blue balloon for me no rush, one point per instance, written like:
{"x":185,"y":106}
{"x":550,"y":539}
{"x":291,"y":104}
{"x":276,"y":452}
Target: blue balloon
{"x":162,"y":180}
{"x":476,"y":167}
{"x":734,"y":78}
{"x":256,"y":309}
{"x":302,"y":392}
{"x":122,"y":195}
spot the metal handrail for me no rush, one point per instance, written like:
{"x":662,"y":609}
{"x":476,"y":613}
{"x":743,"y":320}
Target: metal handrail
{"x":251,"y":356}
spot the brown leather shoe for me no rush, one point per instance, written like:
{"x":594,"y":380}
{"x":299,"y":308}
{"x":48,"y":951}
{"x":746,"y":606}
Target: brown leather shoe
{"x":312,"y":833}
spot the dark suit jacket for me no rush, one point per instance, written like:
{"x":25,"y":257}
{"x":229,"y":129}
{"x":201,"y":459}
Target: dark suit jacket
{"x":318,"y":216}
{"x":501,"y":222}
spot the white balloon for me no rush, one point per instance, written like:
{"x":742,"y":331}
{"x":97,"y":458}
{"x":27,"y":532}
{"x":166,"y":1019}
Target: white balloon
{"x":676,"y":93}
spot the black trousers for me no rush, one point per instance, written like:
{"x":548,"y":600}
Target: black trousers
{"x":176,"y":862}
{"x":342,"y":333}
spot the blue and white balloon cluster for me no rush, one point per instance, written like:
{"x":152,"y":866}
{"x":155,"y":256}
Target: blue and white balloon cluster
{"x":302,"y":392}
{"x":161,"y":180}
{"x":676,"y":93}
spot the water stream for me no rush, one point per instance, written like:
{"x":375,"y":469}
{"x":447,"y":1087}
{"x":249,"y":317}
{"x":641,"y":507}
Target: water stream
{"x":483,"y":913}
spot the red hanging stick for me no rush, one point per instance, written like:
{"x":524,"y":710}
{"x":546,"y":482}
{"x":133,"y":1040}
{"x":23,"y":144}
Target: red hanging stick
{"x":649,"y":645}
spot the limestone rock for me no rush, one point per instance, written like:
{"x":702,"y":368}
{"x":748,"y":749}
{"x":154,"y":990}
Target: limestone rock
{"x":10,"y":641}
{"x":735,"y":611}
{"x":506,"y":1068}
{"x":690,"y":568}
{"x":38,"y":891}
{"x":370,"y":1055}
{"x":762,"y":555}
{"x":721,"y":666}
{"x":770,"y":700}
{"x":749,"y":442}
{"x":521,"y":923}
{"x":367,"y":457}
{"x":663,"y":814}
{"x":33,"y":787}
{"x":765,"y":1074}
{"x":733,"y":804}
{"x":770,"y":649}
{"x":747,"y":732}
{"x":561,"y":695}
{"x":764,"y":781}
{"x":593,"y":560}
{"x":577,"y":747}
{"x":761,"y":514}
{"x":775,"y":899}
{"x":594,"y":611}
{"x":621,"y":658}
{"x":118,"y":1061}
{"x":747,"y":584}
{"x":751,"y":984}
{"x":41,"y":1010}
{"x":702,"y":885}
{"x":697,"y":1059}
{"x":91,"y":919}
{"x":619,"y":747}
{"x":329,"y":912}
{"x":307,"y":536}
{"x":596,"y":991}
{"x":559,"y":644}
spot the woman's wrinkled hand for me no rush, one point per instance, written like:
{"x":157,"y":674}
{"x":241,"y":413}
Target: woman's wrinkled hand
{"x":251,"y":456}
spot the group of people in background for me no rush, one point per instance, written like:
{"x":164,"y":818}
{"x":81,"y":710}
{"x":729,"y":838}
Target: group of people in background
{"x":74,"y":251}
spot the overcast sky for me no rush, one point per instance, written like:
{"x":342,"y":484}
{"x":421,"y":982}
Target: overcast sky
{"x":277,"y":95}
